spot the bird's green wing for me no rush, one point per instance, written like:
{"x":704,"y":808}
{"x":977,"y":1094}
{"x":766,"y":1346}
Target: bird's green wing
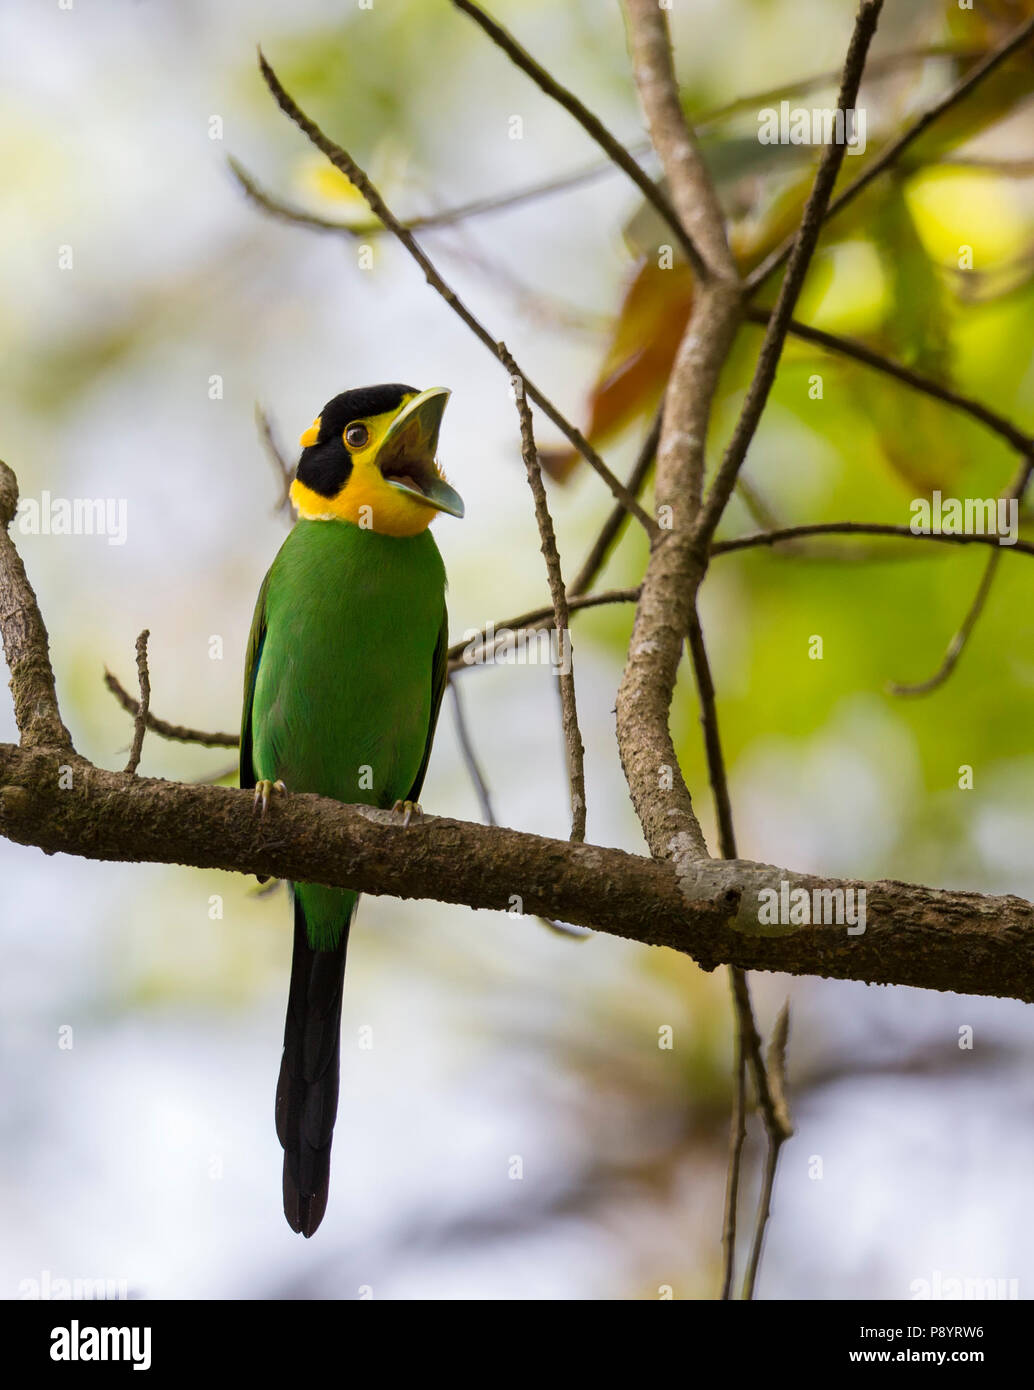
{"x":439,"y":675}
{"x":255,"y":640}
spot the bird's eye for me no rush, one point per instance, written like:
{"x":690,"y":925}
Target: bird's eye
{"x":356,"y":436}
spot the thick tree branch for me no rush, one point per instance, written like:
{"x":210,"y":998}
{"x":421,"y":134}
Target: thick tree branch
{"x":26,"y":645}
{"x":693,"y":197}
{"x":925,"y":937}
{"x":659,"y":793}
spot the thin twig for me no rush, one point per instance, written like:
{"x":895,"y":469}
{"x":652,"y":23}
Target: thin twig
{"x":178,"y":733}
{"x":875,"y":69}
{"x":427,"y":222}
{"x":850,"y":347}
{"x":712,"y":738}
{"x":804,"y":244}
{"x":892,"y":152}
{"x":615,"y":522}
{"x":769,"y":1091}
{"x":593,"y":127}
{"x":346,"y":165}
{"x":745,"y":1029}
{"x":484,"y":797}
{"x":957,"y":645}
{"x":737,"y":1138}
{"x":140,"y":719}
{"x":284,"y":470}
{"x":755,"y":503}
{"x":777,"y":1136}
{"x":776,"y":1119}
{"x":862,"y":528}
{"x":478,"y":649}
{"x":470,"y":757}
{"x":561,"y":611}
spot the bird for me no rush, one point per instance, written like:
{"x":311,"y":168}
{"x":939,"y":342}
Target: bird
{"x":344,"y":676}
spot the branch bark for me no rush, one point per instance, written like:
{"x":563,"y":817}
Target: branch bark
{"x":659,"y":793}
{"x":26,"y":644}
{"x":925,"y":937}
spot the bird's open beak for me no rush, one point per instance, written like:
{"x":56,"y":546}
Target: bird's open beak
{"x":406,"y":457}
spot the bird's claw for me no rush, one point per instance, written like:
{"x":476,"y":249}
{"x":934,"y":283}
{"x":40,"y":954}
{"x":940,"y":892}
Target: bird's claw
{"x":409,"y":810}
{"x":264,"y":789}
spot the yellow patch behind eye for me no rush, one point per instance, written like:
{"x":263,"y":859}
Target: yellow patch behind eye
{"x":310,"y":436}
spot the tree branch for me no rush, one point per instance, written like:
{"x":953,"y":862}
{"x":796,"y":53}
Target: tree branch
{"x":561,"y":612}
{"x":862,"y":528}
{"x":778,"y":1132}
{"x":659,"y":793}
{"x":284,"y":470}
{"x":925,"y":937}
{"x":849,"y":347}
{"x":178,"y":733}
{"x":26,"y":645}
{"x":470,"y":758}
{"x":140,"y":722}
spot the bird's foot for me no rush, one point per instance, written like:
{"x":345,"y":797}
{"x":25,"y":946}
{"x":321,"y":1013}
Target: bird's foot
{"x":409,"y":809}
{"x":264,"y":789}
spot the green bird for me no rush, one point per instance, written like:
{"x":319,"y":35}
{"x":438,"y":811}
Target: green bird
{"x":344,"y":677}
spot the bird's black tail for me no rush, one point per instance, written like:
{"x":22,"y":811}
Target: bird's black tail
{"x":307,"y":1090}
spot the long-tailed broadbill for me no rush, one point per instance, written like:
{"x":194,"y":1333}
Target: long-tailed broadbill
{"x":344,"y":678}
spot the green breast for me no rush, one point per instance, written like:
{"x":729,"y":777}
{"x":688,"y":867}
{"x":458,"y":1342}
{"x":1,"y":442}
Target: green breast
{"x":343,"y":694}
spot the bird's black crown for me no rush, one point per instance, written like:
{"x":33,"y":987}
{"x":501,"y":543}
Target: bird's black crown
{"x":325,"y":466}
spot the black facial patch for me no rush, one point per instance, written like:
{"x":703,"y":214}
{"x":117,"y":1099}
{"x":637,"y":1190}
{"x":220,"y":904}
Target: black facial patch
{"x":325,"y":466}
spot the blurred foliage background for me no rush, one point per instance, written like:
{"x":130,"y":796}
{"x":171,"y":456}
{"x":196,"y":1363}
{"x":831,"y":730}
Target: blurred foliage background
{"x":145,"y":1152}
